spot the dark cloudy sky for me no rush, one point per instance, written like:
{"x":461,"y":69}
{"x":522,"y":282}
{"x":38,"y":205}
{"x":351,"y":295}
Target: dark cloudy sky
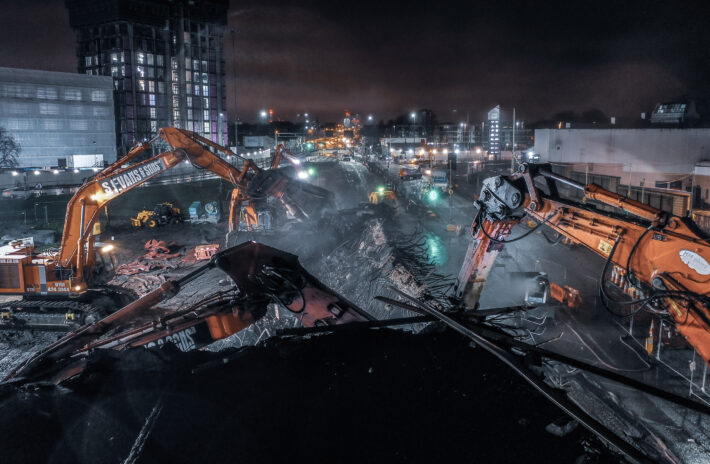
{"x":386,"y":58}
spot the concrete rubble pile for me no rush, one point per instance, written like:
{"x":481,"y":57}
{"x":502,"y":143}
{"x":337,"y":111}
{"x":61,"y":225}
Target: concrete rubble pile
{"x":377,"y":261}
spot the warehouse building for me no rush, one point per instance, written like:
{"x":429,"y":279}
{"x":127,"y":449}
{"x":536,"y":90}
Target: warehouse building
{"x":666,"y":167}
{"x":58,"y":118}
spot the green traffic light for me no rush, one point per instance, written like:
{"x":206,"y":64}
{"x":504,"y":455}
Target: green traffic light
{"x":433,"y":195}
{"x":380,"y":189}
{"x":311,"y":172}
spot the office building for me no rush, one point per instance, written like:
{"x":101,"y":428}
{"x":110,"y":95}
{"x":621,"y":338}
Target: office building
{"x":492,"y":142}
{"x":166,"y":59}
{"x":57,"y":116}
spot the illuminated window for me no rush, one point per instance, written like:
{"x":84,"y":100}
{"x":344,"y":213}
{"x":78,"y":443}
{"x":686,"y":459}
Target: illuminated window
{"x":195,"y":65}
{"x":114,"y":57}
{"x":151,"y":86}
{"x":173,"y":63}
{"x":153,"y":113}
{"x":188,"y":88}
{"x":114,"y":71}
{"x":206,"y":102}
{"x":151,"y":100}
{"x":47,"y":93}
{"x":141,"y":85}
{"x":197,"y":90}
{"x":140,"y":57}
{"x":206,"y":127}
{"x":78,"y":124}
{"x":188,"y":76}
{"x":48,"y":108}
{"x":206,"y":115}
{"x":153,"y":126}
{"x":87,"y":61}
{"x":175,"y":76}
{"x":205,"y":90}
{"x":51,"y":124}
{"x":205,"y":78}
{"x":140,"y":70}
{"x":189,"y":101}
{"x":176,"y":89}
{"x":149,"y":59}
{"x":189,"y":113}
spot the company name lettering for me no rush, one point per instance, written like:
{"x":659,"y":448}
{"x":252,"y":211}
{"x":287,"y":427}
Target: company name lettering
{"x":183,"y":340}
{"x":130,"y":178}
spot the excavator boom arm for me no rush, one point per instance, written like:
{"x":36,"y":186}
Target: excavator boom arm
{"x":84,"y":207}
{"x":661,"y":256}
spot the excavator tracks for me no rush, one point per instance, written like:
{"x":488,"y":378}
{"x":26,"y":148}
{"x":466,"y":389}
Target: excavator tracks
{"x":59,"y":315}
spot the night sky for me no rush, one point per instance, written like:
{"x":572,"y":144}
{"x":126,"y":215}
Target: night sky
{"x":387,"y":58}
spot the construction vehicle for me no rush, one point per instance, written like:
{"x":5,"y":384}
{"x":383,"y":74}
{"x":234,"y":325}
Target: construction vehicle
{"x":262,"y":276}
{"x":162,"y":214}
{"x":55,"y":284}
{"x":381,"y":195}
{"x":660,"y":261}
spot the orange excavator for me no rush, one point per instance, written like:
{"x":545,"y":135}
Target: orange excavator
{"x":261,"y":275}
{"x":53,"y":283}
{"x":660,"y":261}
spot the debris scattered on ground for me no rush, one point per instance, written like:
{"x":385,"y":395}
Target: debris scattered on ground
{"x":158,"y":249}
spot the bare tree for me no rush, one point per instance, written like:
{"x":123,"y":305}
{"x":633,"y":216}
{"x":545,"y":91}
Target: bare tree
{"x":9,"y":150}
